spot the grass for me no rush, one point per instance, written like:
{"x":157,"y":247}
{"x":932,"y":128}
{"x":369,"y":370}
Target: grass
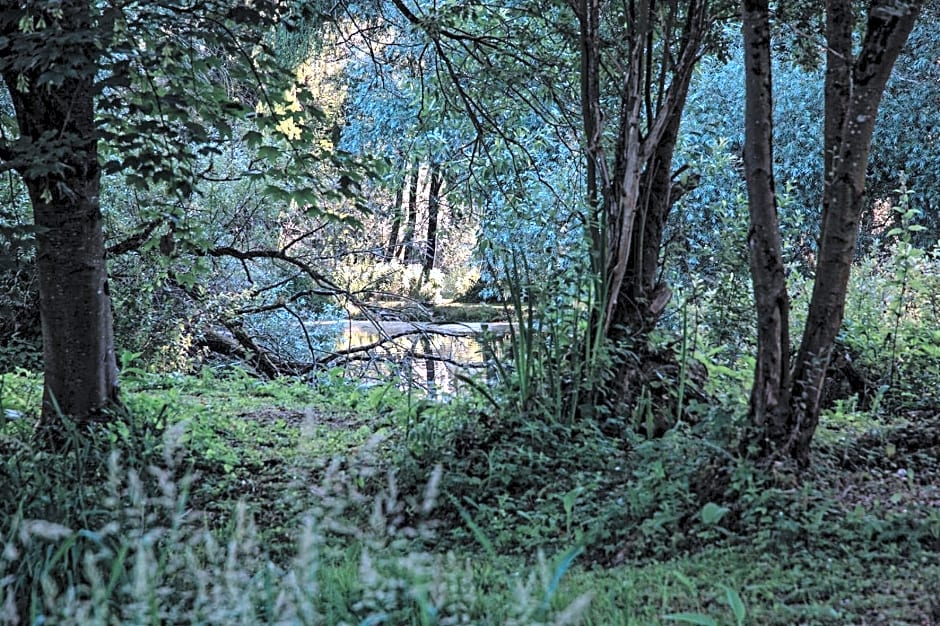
{"x":469,"y":312}
{"x":792,"y":588}
{"x":239,"y":501}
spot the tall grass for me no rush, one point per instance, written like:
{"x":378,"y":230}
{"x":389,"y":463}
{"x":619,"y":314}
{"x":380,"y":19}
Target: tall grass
{"x":110,"y":537}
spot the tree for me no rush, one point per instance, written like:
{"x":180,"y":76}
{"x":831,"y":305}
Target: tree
{"x":621,"y":118}
{"x":436,"y":181}
{"x":147,"y":90}
{"x":764,"y":244}
{"x":785,"y":401}
{"x":629,"y":183}
{"x":50,"y":72}
{"x":633,"y":95}
{"x":409,"y":250}
{"x":398,"y":205}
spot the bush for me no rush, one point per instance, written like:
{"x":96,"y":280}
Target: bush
{"x":893,"y":319}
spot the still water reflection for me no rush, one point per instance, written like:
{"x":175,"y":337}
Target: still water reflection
{"x":422,"y":354}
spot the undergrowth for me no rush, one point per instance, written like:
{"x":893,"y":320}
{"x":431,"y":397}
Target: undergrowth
{"x":220,"y":498}
{"x":105,"y":534}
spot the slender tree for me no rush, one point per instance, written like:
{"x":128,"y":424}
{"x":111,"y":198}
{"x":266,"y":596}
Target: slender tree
{"x":409,"y":253}
{"x":771,"y":374}
{"x":435,"y":182}
{"x":786,"y":408}
{"x":391,"y":251}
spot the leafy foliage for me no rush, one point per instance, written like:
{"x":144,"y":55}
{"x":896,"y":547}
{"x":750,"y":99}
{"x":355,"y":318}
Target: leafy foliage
{"x":329,"y":533}
{"x":891,"y":331}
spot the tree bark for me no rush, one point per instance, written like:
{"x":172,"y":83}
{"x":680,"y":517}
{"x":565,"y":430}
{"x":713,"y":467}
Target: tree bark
{"x":853,"y":94}
{"x":434,"y":205}
{"x":788,"y":414}
{"x":644,"y":297}
{"x":409,"y":254}
{"x":391,"y":251}
{"x":771,"y":372}
{"x":57,"y":152}
{"x":628,"y":190}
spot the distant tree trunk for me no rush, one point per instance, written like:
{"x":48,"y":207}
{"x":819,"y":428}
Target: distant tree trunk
{"x":409,"y":254}
{"x":771,"y":372}
{"x":58,"y":148}
{"x":434,"y":205}
{"x":853,"y":90}
{"x":397,"y":209}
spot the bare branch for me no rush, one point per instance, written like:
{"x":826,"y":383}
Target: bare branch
{"x":279,"y":255}
{"x":135,"y":241}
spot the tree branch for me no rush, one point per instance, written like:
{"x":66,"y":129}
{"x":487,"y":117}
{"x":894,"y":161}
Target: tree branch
{"x":279,"y":255}
{"x":135,"y":241}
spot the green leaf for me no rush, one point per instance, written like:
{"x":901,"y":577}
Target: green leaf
{"x":563,"y":566}
{"x":712,"y":513}
{"x":570,"y":498}
{"x":252,"y":138}
{"x":736,"y":603}
{"x":269,"y":153}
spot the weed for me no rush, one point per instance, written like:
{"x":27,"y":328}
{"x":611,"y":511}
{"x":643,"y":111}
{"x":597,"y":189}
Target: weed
{"x":129,"y":548}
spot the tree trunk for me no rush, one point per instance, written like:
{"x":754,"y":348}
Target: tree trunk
{"x":853,"y":93}
{"x":643,"y":296}
{"x":788,"y":416}
{"x":771,"y":372}
{"x":392,"y":250}
{"x":629,"y":192}
{"x":409,"y":254}
{"x":434,"y":206}
{"x":58,"y":160}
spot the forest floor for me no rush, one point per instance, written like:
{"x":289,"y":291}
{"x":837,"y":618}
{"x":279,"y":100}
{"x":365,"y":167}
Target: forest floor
{"x":860,"y":543}
{"x":853,"y":540}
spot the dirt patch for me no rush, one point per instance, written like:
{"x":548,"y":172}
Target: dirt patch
{"x":307,"y":417}
{"x":291,"y":417}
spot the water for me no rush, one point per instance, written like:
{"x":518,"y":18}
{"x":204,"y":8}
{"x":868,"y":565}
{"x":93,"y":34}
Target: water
{"x":426,"y":355}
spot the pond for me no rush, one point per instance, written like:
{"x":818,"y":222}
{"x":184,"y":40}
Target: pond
{"x":421,"y":354}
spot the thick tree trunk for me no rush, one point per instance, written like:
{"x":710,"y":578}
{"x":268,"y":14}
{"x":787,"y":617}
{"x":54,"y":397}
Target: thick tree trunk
{"x":78,"y":343}
{"x":854,"y":97}
{"x":59,"y":164}
{"x":629,"y":181}
{"x":771,"y":372}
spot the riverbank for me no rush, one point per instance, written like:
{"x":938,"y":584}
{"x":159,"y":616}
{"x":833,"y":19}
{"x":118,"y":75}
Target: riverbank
{"x":443,"y":313}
